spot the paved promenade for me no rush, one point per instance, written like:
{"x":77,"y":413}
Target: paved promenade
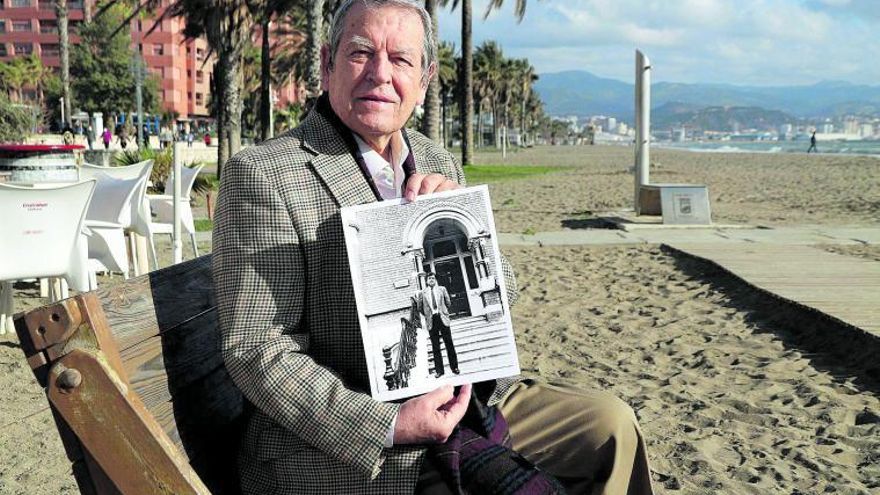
{"x":778,"y":262}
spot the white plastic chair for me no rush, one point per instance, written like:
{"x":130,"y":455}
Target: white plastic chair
{"x":139,"y":207}
{"x":42,"y":237}
{"x":110,"y":214}
{"x":162,"y":206}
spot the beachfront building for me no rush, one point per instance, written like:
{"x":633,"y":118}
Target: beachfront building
{"x":182,"y":67}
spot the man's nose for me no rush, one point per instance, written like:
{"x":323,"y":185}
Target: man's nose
{"x":380,"y":69}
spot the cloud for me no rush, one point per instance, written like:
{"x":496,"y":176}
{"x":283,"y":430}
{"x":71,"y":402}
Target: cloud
{"x":770,"y":42}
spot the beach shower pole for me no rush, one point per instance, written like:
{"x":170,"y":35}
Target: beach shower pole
{"x":643,"y":125}
{"x":177,"y":242}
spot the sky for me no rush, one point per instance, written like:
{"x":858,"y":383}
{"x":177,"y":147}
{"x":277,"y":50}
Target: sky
{"x":741,"y":42}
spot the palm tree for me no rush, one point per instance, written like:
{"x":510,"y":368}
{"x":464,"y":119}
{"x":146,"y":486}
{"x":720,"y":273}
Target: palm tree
{"x":526,"y":78}
{"x":446,"y":78}
{"x":315,"y":18}
{"x":466,"y":67}
{"x":64,"y":49}
{"x":488,"y":74}
{"x":519,"y":11}
{"x":431,"y":118}
{"x":227,"y":26}
{"x":268,"y":10}
{"x":12,"y":79}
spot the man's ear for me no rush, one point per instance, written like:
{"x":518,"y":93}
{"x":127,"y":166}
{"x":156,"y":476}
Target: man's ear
{"x":325,"y":68}
{"x":432,"y":69}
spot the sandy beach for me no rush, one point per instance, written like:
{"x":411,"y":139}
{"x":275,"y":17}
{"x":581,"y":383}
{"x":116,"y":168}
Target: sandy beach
{"x":734,"y":393}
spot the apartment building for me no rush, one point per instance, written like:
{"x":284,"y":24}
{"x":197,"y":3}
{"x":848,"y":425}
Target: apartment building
{"x":183,"y":67}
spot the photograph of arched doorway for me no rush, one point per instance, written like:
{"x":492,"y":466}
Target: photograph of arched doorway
{"x":394,"y":248}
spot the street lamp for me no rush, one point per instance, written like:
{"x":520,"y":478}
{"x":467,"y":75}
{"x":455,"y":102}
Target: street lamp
{"x":138,"y":70}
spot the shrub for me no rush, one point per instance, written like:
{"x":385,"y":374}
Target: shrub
{"x":16,"y":121}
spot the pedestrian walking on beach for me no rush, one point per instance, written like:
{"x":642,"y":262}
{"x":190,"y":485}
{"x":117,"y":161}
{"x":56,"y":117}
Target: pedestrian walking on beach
{"x":106,"y":136}
{"x":812,"y":147}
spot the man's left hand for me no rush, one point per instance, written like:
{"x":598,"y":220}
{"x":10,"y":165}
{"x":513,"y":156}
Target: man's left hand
{"x":419,"y":184}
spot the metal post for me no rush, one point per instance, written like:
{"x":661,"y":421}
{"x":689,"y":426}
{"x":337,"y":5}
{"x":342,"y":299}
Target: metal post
{"x":643,"y":125}
{"x":137,"y":69}
{"x":176,"y":238}
{"x":61,"y":100}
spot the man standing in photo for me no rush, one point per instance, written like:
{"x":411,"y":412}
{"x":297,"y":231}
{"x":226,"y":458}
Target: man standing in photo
{"x":434,"y":305}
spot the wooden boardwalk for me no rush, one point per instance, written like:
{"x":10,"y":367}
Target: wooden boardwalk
{"x":843,"y":287}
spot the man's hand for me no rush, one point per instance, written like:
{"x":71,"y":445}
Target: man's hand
{"x":426,"y":184}
{"x":431,"y":417}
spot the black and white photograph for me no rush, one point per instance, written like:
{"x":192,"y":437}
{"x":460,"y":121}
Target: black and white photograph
{"x":430,"y":292}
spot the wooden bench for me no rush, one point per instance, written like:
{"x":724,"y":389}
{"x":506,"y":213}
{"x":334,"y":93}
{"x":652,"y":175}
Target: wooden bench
{"x":137,"y":386}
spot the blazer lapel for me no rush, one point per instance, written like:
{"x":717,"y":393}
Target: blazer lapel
{"x":333,"y":162}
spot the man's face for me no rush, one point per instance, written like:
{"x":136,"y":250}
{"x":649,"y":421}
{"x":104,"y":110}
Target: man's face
{"x":432,"y":281}
{"x":376,"y":80}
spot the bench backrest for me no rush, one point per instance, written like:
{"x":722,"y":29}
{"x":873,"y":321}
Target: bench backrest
{"x":137,"y":384}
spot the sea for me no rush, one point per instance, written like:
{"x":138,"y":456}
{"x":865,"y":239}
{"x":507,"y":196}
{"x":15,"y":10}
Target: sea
{"x":830,"y":147}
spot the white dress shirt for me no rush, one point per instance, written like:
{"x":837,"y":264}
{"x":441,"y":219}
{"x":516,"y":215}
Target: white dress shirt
{"x":376,"y":163}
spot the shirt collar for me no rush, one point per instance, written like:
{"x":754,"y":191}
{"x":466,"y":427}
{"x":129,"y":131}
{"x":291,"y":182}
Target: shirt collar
{"x":376,"y":162}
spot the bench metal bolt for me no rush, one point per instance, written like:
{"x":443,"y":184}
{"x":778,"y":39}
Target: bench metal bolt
{"x":69,"y":379}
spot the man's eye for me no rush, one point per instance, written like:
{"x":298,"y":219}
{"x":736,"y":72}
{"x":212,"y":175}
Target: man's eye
{"x":403,"y":61}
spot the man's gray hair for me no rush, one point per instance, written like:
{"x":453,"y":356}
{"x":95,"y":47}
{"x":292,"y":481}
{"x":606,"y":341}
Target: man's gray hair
{"x":337,"y":25}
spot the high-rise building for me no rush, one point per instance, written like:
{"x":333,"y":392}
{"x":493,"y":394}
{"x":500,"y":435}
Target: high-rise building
{"x":183,"y":67}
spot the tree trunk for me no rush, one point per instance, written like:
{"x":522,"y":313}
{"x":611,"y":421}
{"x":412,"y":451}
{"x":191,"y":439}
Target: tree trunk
{"x":222,"y":140}
{"x":87,"y":11}
{"x":431,"y":118}
{"x":64,"y":48}
{"x":522,"y":122}
{"x":467,"y":79}
{"x":232,"y":102}
{"x":315,"y":19}
{"x":479,"y":140}
{"x":265,"y":89}
{"x":443,"y":126}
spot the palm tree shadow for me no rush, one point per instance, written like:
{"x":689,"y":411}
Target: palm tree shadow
{"x":844,"y":351}
{"x":587,"y":223}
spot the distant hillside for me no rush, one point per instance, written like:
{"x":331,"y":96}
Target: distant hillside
{"x":717,"y":118}
{"x":582,"y":93}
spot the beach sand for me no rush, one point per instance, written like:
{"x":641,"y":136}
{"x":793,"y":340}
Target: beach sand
{"x":735,"y":394}
{"x":744,"y":188}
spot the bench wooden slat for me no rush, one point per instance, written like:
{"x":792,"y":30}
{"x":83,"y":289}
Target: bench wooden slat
{"x":164,"y":338}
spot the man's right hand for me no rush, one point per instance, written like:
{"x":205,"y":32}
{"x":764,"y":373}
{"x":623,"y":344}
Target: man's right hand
{"x":431,"y":417}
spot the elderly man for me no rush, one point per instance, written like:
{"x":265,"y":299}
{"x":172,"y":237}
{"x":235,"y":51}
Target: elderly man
{"x":291,"y":339}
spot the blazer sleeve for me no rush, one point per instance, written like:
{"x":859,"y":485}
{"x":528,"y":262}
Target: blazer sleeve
{"x":260,"y":284}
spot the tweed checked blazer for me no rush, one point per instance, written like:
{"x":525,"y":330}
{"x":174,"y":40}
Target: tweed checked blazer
{"x":290,"y":334}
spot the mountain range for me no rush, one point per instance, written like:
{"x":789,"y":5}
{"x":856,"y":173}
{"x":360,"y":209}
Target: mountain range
{"x":584,"y":94}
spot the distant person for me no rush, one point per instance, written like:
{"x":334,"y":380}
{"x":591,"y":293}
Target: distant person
{"x":67,"y":136}
{"x":812,"y":147}
{"x":122,"y":137}
{"x":207,"y":139}
{"x":106,"y":137}
{"x":90,"y":136}
{"x":189,"y":139}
